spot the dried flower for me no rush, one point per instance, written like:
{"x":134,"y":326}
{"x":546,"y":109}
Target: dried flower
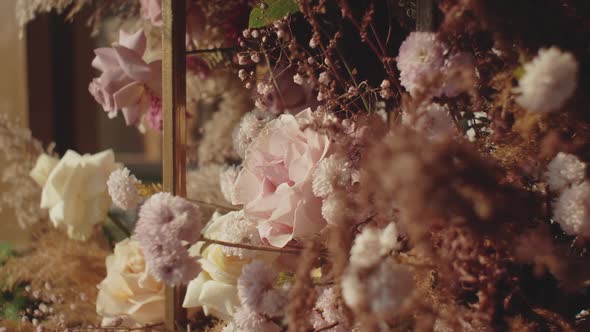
{"x":549,"y":80}
{"x":372,"y":244}
{"x":420,"y":58}
{"x":19,"y":154}
{"x":564,"y":170}
{"x":572,"y":210}
{"x":122,"y":186}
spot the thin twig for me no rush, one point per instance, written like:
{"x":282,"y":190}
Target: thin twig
{"x":226,"y":208}
{"x":120,"y":225}
{"x":325,"y":328}
{"x":213,"y":50}
{"x":251,"y":246}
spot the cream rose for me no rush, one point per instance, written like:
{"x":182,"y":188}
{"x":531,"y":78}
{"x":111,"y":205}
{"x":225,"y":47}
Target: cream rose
{"x":215,"y":288}
{"x":128,"y":291}
{"x":275,"y":183}
{"x":76,"y":192}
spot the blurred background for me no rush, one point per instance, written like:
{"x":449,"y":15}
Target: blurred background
{"x":45,"y":72}
{"x":44,"y":76}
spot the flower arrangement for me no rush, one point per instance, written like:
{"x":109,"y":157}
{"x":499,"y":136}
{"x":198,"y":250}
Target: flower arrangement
{"x":356,"y":175}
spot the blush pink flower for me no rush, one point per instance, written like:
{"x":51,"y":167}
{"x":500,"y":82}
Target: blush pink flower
{"x":154,"y":117}
{"x":151,"y":10}
{"x":127,"y":82}
{"x":275,"y":183}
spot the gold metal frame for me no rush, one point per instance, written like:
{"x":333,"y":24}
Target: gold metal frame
{"x":174,"y":129}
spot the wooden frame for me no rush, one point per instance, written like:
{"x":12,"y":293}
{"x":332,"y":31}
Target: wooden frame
{"x":174,"y":129}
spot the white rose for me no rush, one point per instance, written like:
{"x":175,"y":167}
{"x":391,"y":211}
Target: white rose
{"x":43,"y":167}
{"x":215,"y":288}
{"x":76,"y":192}
{"x":129,"y":291}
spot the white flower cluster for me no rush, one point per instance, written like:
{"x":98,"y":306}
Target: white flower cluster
{"x":122,"y":186}
{"x":565,"y":169}
{"x":372,"y":280}
{"x":372,"y":244}
{"x":566,"y":175}
{"x":549,"y":80}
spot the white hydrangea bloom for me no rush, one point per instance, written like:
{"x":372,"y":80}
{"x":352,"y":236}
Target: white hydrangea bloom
{"x":572,"y":210}
{"x":565,"y":169}
{"x":383,"y":291}
{"x":250,"y":126}
{"x":549,"y":80}
{"x":330,"y":172}
{"x":372,"y":244}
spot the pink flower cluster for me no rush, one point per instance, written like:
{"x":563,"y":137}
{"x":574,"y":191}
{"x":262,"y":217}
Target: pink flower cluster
{"x":424,"y":64}
{"x":127,"y":82}
{"x":164,"y":222}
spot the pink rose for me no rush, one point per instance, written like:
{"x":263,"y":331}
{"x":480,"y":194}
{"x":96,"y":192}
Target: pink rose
{"x":151,"y":10}
{"x":127,"y":83}
{"x":275,"y":183}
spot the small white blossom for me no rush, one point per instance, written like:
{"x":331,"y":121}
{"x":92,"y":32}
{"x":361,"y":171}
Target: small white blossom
{"x":324,"y":78}
{"x":242,"y":74}
{"x":433,"y":120}
{"x":298,"y":79}
{"x":372,"y":244}
{"x":255,"y":57}
{"x":240,"y":230}
{"x":331,"y":172}
{"x":565,"y":169}
{"x":572,"y":210}
{"x":250,"y":126}
{"x":549,"y":80}
{"x":122,"y":187}
{"x":382,"y":291}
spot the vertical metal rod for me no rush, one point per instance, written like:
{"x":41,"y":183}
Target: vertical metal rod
{"x":174,"y":129}
{"x":424,"y":15}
